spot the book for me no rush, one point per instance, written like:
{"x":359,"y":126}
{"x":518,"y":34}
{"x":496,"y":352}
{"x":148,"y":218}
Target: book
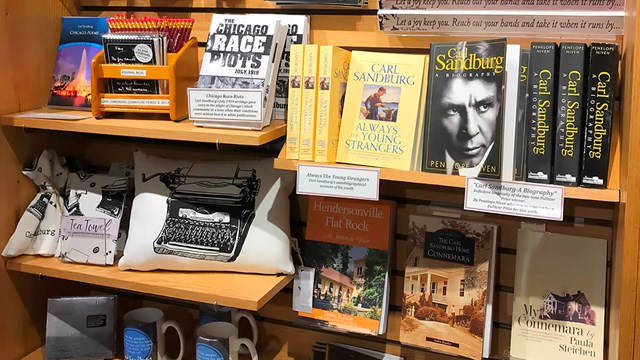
{"x":243,"y":52}
{"x":381,"y":119}
{"x":521,"y":128}
{"x":570,"y":113}
{"x":559,"y":297}
{"x":603,"y":76}
{"x":337,"y":351}
{"x":292,"y":149}
{"x":541,"y":111}
{"x":136,"y":49}
{"x":80,"y":41}
{"x":348,"y":242}
{"x":448,"y":285}
{"x":333,"y":74}
{"x":464,"y":108}
{"x":510,"y":120}
{"x":297,"y":33}
{"x":309,"y":101}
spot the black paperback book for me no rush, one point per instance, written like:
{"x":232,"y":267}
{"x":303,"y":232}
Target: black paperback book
{"x":521,"y":128}
{"x":463,"y":117}
{"x":132,"y":49}
{"x":603,"y":75}
{"x":570,"y":115}
{"x":541,"y":111}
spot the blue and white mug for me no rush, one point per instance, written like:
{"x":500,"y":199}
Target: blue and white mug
{"x":144,"y":331}
{"x":219,"y":341}
{"x":214,"y":313}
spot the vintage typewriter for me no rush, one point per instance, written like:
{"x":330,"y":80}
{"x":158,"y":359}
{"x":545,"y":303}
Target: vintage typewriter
{"x":112,"y":200}
{"x":208,"y":217}
{"x":39,"y":207}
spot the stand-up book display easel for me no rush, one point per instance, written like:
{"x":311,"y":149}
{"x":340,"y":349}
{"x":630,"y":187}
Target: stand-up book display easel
{"x":180,"y":73}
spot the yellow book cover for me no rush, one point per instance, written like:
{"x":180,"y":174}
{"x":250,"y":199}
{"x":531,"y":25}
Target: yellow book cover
{"x":309,"y":95}
{"x":333,"y":73}
{"x":295,"y":101}
{"x":375,"y":129}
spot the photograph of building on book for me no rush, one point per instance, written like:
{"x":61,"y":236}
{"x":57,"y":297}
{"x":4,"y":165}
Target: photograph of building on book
{"x":350,"y":281}
{"x":71,"y":84}
{"x":444,"y":301}
{"x":380,"y":102}
{"x":574,"y":308}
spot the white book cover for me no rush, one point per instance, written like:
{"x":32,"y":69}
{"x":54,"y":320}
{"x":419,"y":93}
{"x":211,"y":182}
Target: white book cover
{"x":510,"y":112}
{"x":559,"y":297}
{"x":297,"y":33}
{"x":243,"y":52}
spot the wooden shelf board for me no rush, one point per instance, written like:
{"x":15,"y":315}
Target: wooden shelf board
{"x":243,"y":291}
{"x":39,"y":355}
{"x":417,"y":177}
{"x":149,"y":126}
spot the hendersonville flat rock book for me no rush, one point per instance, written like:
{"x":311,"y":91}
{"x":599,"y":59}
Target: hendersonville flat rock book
{"x":463,"y":120}
{"x":80,"y":41}
{"x":448,"y":286}
{"x":381,"y":117}
{"x":559,"y":297}
{"x":348,"y":244}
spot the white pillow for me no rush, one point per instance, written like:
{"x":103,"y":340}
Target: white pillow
{"x":185,"y":216}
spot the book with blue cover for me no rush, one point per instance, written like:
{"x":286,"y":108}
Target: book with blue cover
{"x":80,"y":41}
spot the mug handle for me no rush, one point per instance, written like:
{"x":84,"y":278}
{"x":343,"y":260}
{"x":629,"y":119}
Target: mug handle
{"x":252,"y":349}
{"x":254,"y":328}
{"x":173,"y":324}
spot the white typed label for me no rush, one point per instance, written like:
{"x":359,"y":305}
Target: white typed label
{"x":303,"y":289}
{"x":133,"y":72}
{"x":225,"y":104}
{"x":135,"y":102}
{"x":337,"y":181}
{"x":515,"y":198}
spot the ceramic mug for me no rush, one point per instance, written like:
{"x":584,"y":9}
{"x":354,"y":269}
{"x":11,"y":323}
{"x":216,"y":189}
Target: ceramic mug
{"x":144,"y":331}
{"x":220,"y":341}
{"x":212,"y":313}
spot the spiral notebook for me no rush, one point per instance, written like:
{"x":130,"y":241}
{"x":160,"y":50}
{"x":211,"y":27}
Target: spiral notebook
{"x":136,"y":49}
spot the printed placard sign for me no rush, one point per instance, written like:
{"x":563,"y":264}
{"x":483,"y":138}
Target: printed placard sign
{"x":336,"y":181}
{"x":515,"y":198}
{"x":226,"y":104}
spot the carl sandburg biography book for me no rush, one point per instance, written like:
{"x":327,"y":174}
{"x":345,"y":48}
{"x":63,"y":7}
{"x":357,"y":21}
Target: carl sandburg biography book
{"x":463,"y":123}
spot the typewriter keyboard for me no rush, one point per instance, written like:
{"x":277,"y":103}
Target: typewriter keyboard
{"x":213,"y":236}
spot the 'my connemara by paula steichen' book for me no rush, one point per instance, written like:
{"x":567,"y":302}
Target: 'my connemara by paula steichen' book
{"x":559,"y":297}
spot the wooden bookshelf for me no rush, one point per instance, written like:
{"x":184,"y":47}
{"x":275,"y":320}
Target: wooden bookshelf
{"x":148,"y":126}
{"x":417,"y":177}
{"x":243,"y":291}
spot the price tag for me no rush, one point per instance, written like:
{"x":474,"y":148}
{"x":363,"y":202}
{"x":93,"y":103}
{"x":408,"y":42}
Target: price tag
{"x":338,"y":181}
{"x":303,"y":289}
{"x":537,"y":201}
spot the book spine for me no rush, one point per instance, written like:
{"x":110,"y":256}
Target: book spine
{"x":309,"y":94}
{"x":570,"y":113}
{"x":295,"y":35}
{"x":603,"y":74}
{"x":521,"y":128}
{"x":295,"y":101}
{"x":541,"y":111}
{"x":324,"y":103}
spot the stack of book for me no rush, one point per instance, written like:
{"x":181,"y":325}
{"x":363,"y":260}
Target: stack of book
{"x":251,"y":52}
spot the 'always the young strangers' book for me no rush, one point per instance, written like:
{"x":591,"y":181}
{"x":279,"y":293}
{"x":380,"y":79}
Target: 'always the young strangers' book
{"x":348,"y":244}
{"x":333,"y":74}
{"x":448,"y":285}
{"x":294,"y":114}
{"x":463,"y":121}
{"x":80,"y":41}
{"x":559,"y":297}
{"x":380,"y":120}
